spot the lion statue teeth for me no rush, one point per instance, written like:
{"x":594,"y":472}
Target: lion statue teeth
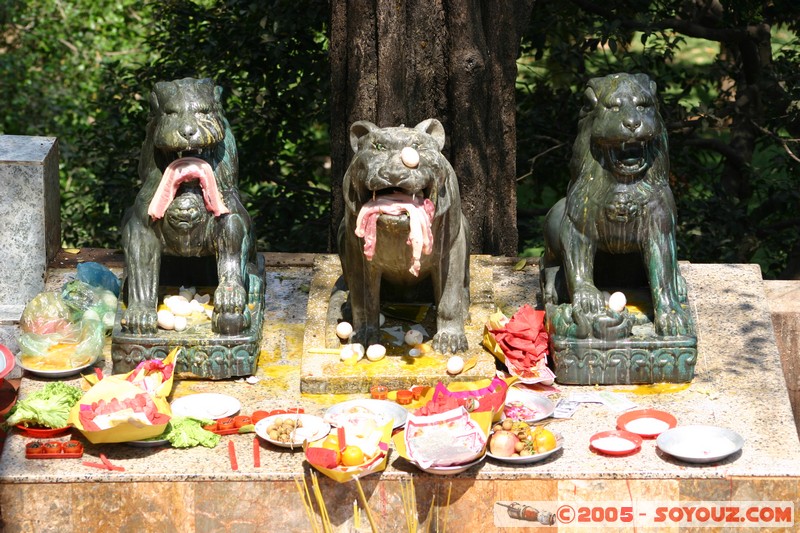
{"x":403,"y":229}
{"x":618,"y":202}
{"x":188,"y":206}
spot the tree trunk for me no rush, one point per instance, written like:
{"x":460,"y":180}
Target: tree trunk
{"x":402,"y":61}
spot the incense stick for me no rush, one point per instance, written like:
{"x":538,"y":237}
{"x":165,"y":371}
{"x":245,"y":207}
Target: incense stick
{"x":447,"y":507}
{"x":366,"y":506}
{"x":326,"y":520}
{"x":306,"y":497}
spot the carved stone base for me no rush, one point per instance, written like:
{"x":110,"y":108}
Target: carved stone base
{"x":642,"y":358}
{"x":204,"y":354}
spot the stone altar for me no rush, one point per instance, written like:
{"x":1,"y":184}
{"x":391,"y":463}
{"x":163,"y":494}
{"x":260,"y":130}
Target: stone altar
{"x":738,"y":384}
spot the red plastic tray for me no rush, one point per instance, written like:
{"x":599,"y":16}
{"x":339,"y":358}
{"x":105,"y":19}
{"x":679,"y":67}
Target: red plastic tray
{"x":60,"y":455}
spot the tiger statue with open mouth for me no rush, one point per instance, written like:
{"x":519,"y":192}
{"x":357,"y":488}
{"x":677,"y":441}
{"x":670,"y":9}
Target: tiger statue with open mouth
{"x":188,"y":205}
{"x":403,"y":226}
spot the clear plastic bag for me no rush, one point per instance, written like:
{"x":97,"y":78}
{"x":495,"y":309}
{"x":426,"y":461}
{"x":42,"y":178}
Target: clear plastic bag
{"x":55,"y":337}
{"x":90,"y":303}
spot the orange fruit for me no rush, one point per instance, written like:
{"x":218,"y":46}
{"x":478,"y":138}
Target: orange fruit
{"x":544,"y":440}
{"x":352,"y":456}
{"x":331,"y":442}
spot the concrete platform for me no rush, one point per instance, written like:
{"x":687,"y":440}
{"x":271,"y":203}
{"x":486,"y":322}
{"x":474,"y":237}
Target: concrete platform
{"x":738,"y":384}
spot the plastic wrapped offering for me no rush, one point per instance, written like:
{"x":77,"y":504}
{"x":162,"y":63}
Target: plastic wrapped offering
{"x":52,"y":339}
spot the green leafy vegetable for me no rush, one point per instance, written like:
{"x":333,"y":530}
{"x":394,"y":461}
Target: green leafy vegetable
{"x":186,"y":432}
{"x":47,"y":407}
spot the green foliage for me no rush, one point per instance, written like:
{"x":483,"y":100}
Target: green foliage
{"x":55,"y":68}
{"x":82,"y":70}
{"x":752,"y":219}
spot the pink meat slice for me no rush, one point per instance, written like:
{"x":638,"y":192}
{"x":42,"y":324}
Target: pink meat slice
{"x":180,"y":171}
{"x":420,"y":214}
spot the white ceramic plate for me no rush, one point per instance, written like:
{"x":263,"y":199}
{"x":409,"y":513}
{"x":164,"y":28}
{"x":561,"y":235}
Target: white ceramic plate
{"x":450,"y":470}
{"x":207,"y":405}
{"x":700,"y":444}
{"x":540,"y":406}
{"x":313,"y":428}
{"x":383,"y":410}
{"x":528,"y":459}
{"x":55,"y":373}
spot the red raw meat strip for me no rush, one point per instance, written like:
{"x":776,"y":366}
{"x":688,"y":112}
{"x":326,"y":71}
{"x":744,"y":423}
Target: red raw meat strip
{"x":179,"y":171}
{"x":420,"y":214}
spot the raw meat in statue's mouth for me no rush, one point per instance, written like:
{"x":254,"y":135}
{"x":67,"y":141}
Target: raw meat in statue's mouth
{"x":180,"y":171}
{"x":420,"y":216}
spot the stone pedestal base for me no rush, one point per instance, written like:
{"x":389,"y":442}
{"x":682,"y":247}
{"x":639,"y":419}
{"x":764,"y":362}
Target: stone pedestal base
{"x":323,"y":372}
{"x":204,"y":354}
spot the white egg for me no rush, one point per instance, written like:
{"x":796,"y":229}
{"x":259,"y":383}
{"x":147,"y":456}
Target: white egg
{"x":410,"y":157}
{"x":108,"y":319}
{"x":376,"y":352}
{"x":180,"y":323}
{"x":109,"y":300}
{"x":166,"y":320}
{"x":617,"y":302}
{"x":455,"y":365}
{"x":178,"y":305}
{"x":344,"y":330}
{"x":415,"y":352}
{"x":197,"y":307}
{"x":351,"y":352}
{"x":381,"y":320}
{"x":413,"y":337}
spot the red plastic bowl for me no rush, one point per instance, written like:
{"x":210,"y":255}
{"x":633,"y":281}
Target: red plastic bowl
{"x":633,"y":438}
{"x":6,"y":361}
{"x":627,"y":418}
{"x":42,"y":433}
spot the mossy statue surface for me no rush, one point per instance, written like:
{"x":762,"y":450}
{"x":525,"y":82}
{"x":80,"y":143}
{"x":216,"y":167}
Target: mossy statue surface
{"x":187,"y":225}
{"x":615,"y":230}
{"x":404,"y":236}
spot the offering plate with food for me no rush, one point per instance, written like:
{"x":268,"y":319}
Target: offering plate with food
{"x":527,"y":405}
{"x":616,"y":442}
{"x":45,"y":413}
{"x":517,"y":442}
{"x":647,"y":423}
{"x":353,"y":411}
{"x":291,"y":430}
{"x":444,"y":443}
{"x":358,"y":446}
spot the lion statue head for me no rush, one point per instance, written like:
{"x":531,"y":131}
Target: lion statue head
{"x":620,"y":130}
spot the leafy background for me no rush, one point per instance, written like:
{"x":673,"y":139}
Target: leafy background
{"x":81,"y":70}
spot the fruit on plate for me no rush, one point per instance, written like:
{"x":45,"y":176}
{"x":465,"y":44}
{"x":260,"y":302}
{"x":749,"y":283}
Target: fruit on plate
{"x":503,"y":443}
{"x":331,"y":442}
{"x":544,"y":440}
{"x":352,"y":456}
{"x":531,"y":440}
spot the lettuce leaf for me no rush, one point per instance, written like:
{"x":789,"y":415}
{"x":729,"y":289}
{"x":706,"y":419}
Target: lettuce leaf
{"x":47,"y":407}
{"x":186,"y":432}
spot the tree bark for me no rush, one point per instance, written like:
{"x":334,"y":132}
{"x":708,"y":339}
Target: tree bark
{"x":402,"y":61}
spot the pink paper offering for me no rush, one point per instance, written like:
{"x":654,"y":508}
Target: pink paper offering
{"x":445,"y":439}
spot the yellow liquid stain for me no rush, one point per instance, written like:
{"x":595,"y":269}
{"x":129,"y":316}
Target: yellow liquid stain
{"x":656,"y":388}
